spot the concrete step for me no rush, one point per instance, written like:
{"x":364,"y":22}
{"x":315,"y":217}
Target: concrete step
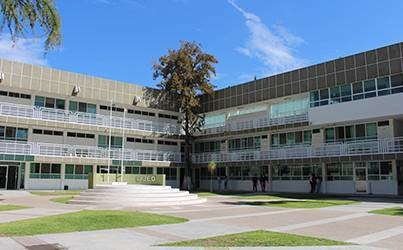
{"x":140,"y":204}
{"x":134,"y":194}
{"x":136,"y":199}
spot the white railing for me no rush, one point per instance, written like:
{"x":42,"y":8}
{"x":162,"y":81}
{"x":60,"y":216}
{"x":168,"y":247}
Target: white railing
{"x":78,"y":151}
{"x":365,"y":147}
{"x":41,"y":113}
{"x":255,"y":123}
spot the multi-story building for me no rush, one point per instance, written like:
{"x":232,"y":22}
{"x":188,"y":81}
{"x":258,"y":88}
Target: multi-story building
{"x":341,"y":120}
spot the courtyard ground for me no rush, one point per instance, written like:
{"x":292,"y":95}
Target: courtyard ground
{"x":220,"y":215}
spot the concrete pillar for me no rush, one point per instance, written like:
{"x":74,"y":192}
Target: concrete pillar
{"x":62,"y":175}
{"x":26,"y":175}
{"x":270,"y":186}
{"x":178,"y":177}
{"x":324,"y":178}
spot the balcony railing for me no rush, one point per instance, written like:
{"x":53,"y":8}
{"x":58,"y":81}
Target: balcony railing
{"x":367,"y":147}
{"x":48,"y":114}
{"x":256,"y":123}
{"x":78,"y":151}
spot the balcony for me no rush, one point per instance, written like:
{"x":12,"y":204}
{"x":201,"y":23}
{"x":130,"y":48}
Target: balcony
{"x":57,"y":115}
{"x":77,"y":151}
{"x":297,"y":117}
{"x":366,"y":147}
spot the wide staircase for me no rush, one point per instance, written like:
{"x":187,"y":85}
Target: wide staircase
{"x":136,"y":196}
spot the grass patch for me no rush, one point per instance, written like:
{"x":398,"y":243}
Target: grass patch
{"x":61,"y":192}
{"x":207,"y":193}
{"x":86,"y":220}
{"x":62,"y":199}
{"x":257,"y":239}
{"x":301,"y":203}
{"x":9,"y":207}
{"x":394,"y":211}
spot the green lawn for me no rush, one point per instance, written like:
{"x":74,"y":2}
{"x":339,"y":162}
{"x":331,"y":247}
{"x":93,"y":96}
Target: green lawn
{"x":301,"y":203}
{"x":86,"y":220}
{"x":395,"y":211}
{"x":206,"y":193}
{"x":62,"y":199}
{"x":8,"y":207}
{"x":257,"y":239}
{"x":61,"y":192}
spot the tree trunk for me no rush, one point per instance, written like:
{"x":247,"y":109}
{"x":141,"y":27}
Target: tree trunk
{"x":188,"y":162}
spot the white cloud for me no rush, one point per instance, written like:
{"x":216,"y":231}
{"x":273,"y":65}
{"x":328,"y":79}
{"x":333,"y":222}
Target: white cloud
{"x":273,"y":47}
{"x":26,"y":50}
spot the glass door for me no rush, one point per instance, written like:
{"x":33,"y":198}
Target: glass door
{"x":3,"y":177}
{"x":360,"y":175}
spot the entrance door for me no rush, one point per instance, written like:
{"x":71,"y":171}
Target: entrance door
{"x":12,"y":177}
{"x":400,"y":177}
{"x":3,"y":177}
{"x":360,"y":179}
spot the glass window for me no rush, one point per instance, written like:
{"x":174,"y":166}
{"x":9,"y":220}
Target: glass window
{"x":329,"y":134}
{"x":69,"y":169}
{"x":307,"y":136}
{"x":60,"y":104}
{"x":291,"y":138}
{"x":22,"y":134}
{"x":10,"y":133}
{"x":357,"y":88}
{"x":324,"y":97}
{"x":339,"y":133}
{"x":50,"y":102}
{"x":92,"y":108}
{"x":82,"y":107}
{"x":79,"y":169}
{"x":45,"y":168}
{"x":39,"y":101}
{"x":371,"y":130}
{"x":383,"y":83}
{"x":345,"y":92}
{"x":73,"y":106}
{"x":213,"y":120}
{"x":335,"y":94}
{"x":369,"y":85}
{"x":2,"y":132}
{"x":397,"y":83}
{"x":289,"y":108}
{"x":386,"y":168}
{"x":298,"y":137}
{"x":35,"y":168}
{"x":350,"y":132}
{"x":275,"y":140}
{"x":314,"y":96}
{"x":360,"y":131}
{"x":373,"y":171}
{"x":55,"y":169}
{"x":102,"y":141}
{"x":283,"y":139}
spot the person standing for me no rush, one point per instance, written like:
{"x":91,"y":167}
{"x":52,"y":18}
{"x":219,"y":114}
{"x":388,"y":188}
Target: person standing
{"x":312,"y":182}
{"x":318,"y":183}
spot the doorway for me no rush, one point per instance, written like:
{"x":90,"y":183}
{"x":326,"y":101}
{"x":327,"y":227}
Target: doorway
{"x":399,"y":165}
{"x":360,"y":176}
{"x":8,"y":177}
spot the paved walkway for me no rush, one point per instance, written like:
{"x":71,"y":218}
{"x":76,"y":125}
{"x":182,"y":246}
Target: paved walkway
{"x":220,"y":215}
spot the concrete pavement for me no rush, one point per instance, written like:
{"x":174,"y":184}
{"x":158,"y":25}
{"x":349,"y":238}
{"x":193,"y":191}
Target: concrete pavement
{"x":224,"y":215}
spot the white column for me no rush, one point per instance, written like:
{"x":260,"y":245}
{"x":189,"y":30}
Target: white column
{"x":62,"y":177}
{"x":26,"y":175}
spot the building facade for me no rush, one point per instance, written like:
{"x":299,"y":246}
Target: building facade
{"x":341,"y":120}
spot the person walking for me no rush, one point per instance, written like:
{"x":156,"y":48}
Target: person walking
{"x":312,"y":182}
{"x":254,"y":183}
{"x":263,"y":183}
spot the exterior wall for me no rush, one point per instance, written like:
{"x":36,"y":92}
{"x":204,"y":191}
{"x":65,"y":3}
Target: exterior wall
{"x":366,"y":109}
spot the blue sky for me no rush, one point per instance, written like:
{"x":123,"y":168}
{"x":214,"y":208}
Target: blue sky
{"x":120,"y":39}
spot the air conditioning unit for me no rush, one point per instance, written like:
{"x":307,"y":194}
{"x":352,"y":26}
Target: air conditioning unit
{"x":136,"y":100}
{"x":76,"y":90}
{"x":1,"y":76}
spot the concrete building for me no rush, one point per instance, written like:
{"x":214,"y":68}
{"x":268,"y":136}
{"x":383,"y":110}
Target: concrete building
{"x":341,"y":120}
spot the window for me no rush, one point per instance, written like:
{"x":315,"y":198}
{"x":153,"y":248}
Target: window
{"x":352,"y":132}
{"x":213,"y":120}
{"x":397,"y":83}
{"x":13,"y":134}
{"x":291,"y":138}
{"x":249,"y":143}
{"x":140,"y":140}
{"x":289,"y":108}
{"x":80,"y":135}
{"x":329,"y":135}
{"x":77,"y":171}
{"x":45,"y":171}
{"x":295,"y":172}
{"x":49,"y":102}
{"x":103,"y":141}
{"x":82,"y":107}
{"x":383,"y":85}
{"x":15,"y":95}
{"x":386,"y":170}
{"x":339,"y":171}
{"x":170,"y":173}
